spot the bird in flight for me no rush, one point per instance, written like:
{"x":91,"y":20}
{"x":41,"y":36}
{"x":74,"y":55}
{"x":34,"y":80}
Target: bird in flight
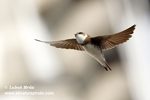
{"x":94,"y":46}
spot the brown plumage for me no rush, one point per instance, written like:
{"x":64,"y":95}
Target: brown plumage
{"x":65,"y":44}
{"x":110,"y":41}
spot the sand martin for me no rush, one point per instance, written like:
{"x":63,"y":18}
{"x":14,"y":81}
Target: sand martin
{"x":94,"y":46}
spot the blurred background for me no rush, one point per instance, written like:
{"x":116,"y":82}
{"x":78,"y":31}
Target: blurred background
{"x":70,"y":74}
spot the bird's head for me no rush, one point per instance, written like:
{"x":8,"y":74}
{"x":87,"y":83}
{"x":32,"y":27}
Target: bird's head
{"x":80,"y":37}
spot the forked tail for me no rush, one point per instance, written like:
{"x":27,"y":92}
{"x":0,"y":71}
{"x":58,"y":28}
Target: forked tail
{"x":107,"y":67}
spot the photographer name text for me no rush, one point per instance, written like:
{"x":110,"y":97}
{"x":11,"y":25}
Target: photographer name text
{"x":24,"y":87}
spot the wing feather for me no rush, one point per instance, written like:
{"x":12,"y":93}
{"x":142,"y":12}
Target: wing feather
{"x":65,"y":44}
{"x":110,"y":41}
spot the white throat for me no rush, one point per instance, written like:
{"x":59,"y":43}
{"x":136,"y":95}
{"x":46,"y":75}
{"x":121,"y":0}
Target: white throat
{"x":81,"y":38}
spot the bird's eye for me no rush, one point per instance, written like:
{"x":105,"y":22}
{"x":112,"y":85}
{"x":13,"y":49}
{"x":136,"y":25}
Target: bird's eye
{"x":80,"y":32}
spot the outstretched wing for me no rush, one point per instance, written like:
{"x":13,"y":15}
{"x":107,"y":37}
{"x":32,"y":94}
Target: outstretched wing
{"x":110,"y":41}
{"x":65,"y":44}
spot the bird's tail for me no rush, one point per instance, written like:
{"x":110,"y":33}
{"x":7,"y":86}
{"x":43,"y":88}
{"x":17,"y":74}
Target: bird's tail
{"x":107,"y":67}
{"x":103,"y":62}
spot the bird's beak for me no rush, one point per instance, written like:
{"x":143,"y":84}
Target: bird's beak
{"x":75,"y":35}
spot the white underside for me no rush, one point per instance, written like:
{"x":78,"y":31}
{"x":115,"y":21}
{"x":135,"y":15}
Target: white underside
{"x":95,"y":53}
{"x":80,"y":38}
